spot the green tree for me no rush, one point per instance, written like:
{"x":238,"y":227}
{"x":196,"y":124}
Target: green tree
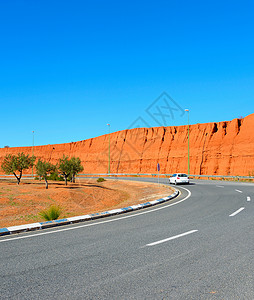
{"x":76,"y":167}
{"x":69,"y":168}
{"x":44,"y":168}
{"x":16,"y":164}
{"x":64,"y":167}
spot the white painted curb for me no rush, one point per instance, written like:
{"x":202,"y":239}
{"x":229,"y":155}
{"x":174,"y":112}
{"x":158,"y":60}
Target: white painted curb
{"x":42,"y":225}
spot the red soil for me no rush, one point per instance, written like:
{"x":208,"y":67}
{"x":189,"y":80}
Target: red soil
{"x":224,"y":148}
{"x":21,"y":204}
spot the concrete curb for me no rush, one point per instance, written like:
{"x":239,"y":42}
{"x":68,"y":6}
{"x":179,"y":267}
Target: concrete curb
{"x":48,"y":224}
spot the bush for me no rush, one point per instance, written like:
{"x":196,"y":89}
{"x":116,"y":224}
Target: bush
{"x":54,"y":176}
{"x":52,"y":213}
{"x":100,"y":179}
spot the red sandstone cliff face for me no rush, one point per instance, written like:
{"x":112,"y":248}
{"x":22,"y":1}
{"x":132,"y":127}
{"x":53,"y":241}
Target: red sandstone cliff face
{"x":224,"y":148}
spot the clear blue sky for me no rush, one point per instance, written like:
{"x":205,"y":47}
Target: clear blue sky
{"x":68,"y":68}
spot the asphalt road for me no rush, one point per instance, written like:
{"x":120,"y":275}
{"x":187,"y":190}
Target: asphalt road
{"x":200,"y":246}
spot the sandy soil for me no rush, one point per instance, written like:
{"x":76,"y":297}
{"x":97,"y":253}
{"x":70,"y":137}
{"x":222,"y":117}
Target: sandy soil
{"x":21,"y":204}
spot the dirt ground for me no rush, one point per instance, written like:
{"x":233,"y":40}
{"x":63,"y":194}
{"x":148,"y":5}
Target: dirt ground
{"x":21,"y":204}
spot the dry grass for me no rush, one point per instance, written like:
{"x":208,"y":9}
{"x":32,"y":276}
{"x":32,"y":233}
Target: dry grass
{"x":22,"y":204}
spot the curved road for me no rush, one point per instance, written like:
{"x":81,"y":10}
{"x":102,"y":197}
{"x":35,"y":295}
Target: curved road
{"x":200,"y":246}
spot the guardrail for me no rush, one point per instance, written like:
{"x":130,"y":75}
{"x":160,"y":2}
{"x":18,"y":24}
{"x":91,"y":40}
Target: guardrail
{"x":222,"y":177}
{"x":24,"y":176}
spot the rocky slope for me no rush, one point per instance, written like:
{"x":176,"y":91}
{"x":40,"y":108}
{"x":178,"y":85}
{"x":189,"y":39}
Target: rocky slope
{"x":224,"y":148}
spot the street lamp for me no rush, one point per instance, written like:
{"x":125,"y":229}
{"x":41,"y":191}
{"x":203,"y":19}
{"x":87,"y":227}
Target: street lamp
{"x":108,"y":148}
{"x":33,"y":155}
{"x":187,"y":110}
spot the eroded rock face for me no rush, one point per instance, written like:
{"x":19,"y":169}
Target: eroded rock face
{"x":224,"y":148}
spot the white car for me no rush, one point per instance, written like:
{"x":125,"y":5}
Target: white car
{"x":179,"y":178}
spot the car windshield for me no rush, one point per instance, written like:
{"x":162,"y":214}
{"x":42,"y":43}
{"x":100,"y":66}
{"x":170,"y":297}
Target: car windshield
{"x":182,"y":175}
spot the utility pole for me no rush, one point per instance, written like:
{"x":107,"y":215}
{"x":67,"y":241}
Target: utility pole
{"x":33,"y":155}
{"x":108,"y":148}
{"x":187,"y":110}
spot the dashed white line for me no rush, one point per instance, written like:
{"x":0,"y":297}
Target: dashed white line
{"x":238,"y":191}
{"x":237,"y":212}
{"x":220,"y":186}
{"x":171,"y":238}
{"x":248,"y":198}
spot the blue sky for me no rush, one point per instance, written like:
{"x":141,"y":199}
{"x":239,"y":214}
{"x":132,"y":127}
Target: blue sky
{"x":68,"y":68}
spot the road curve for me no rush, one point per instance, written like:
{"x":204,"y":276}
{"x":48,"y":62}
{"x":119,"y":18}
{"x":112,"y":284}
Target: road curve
{"x":200,"y":246}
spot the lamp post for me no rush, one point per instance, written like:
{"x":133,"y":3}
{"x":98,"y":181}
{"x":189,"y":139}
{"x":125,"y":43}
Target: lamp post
{"x":33,"y":155}
{"x":108,"y":148}
{"x":187,"y":110}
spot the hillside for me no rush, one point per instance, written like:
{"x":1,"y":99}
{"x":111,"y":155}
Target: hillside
{"x":224,"y":148}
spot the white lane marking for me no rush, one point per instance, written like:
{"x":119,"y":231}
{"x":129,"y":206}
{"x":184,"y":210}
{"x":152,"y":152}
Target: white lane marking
{"x":248,"y":198}
{"x":97,"y":223}
{"x":220,"y":186}
{"x":238,"y":191}
{"x":237,"y":212}
{"x":171,"y":238}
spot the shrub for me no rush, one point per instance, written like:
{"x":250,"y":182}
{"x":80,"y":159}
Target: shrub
{"x":54,"y":176}
{"x":52,"y":213}
{"x":100,"y":179}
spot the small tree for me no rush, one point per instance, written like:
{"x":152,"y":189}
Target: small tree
{"x":44,"y":168}
{"x":76,"y":167}
{"x":17,"y":163}
{"x":69,"y":168}
{"x":64,"y":167}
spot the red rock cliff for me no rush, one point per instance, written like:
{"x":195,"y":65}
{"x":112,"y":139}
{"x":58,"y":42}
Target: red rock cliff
{"x":224,"y":148}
